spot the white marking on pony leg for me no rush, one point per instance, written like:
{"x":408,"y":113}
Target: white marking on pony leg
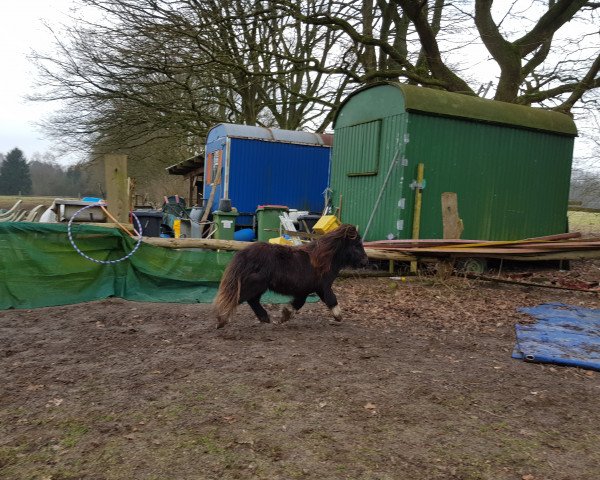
{"x":287,"y":313}
{"x":337,"y":313}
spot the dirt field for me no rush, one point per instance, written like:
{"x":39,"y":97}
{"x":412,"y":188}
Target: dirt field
{"x":416,"y":383}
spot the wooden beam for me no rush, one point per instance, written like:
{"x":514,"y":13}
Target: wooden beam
{"x":117,"y":196}
{"x":208,"y":243}
{"x":234,"y":245}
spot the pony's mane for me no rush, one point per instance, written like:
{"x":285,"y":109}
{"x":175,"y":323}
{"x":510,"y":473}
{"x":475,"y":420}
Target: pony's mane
{"x":323,"y":250}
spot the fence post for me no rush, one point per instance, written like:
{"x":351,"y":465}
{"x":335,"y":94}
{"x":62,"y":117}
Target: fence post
{"x":117,"y":195}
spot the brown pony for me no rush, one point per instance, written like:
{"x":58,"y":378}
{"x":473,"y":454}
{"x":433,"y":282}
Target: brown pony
{"x":296,"y":271}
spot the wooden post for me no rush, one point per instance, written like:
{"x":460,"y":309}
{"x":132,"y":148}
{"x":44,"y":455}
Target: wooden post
{"x":416,"y":227}
{"x":211,"y":198}
{"x":117,"y":196}
{"x":452,"y":224}
{"x":452,"y":227}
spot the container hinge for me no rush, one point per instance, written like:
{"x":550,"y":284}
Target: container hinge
{"x":404,"y":162}
{"x":402,"y":203}
{"x":400,"y":225}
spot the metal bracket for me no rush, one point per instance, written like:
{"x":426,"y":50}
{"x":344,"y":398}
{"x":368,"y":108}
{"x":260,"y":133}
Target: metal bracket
{"x":416,"y":184}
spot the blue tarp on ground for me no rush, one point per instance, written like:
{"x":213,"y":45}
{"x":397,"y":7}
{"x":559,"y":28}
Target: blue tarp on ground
{"x":563,"y":335}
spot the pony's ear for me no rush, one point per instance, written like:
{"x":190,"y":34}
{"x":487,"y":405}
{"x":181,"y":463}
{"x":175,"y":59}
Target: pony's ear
{"x":350,"y":232}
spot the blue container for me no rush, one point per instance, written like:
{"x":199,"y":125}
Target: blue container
{"x":244,"y":235}
{"x":261,"y":166}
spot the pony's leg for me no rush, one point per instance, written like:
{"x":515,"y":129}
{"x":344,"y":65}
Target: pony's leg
{"x":329,"y":299}
{"x":251,"y":291}
{"x":258,"y":309}
{"x":291,"y":308}
{"x":222,"y":321}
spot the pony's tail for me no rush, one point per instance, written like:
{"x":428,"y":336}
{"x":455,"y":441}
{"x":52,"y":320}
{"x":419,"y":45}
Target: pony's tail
{"x":228,"y":296}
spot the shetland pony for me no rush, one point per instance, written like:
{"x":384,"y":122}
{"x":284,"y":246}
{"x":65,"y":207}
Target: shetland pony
{"x":296,"y":271}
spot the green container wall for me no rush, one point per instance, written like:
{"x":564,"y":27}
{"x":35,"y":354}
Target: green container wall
{"x":512,"y":182}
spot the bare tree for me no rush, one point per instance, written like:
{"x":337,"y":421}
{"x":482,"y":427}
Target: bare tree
{"x":423,"y":42}
{"x":151,"y":70}
{"x":162,"y":72}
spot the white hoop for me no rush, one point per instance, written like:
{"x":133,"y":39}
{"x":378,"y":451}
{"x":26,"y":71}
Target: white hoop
{"x":105,"y":262}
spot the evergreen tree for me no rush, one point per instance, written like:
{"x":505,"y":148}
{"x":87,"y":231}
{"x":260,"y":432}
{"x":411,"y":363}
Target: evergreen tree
{"x":14,"y":174}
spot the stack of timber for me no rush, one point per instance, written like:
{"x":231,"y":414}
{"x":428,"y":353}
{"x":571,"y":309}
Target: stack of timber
{"x":567,"y":246}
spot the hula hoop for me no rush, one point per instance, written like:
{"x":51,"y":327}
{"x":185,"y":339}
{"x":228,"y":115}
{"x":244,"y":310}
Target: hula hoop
{"x":105,"y":262}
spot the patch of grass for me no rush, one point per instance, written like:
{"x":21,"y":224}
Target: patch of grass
{"x":73,"y":433}
{"x":209,"y":444}
{"x":585,"y":222}
{"x":174,"y":411}
{"x":494,"y":427}
{"x":9,"y":455}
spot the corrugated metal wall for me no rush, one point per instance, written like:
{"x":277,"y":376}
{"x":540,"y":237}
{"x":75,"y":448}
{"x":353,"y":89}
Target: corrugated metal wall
{"x":511,"y":183}
{"x":362,"y":156}
{"x":262,"y":172}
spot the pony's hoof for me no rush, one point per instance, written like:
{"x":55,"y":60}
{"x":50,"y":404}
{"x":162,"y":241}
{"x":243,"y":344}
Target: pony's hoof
{"x":221,"y":323}
{"x":286,"y":314}
{"x":337,"y":313}
{"x":264,"y":320}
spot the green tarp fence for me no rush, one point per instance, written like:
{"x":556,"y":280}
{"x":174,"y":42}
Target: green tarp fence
{"x":39,"y":268}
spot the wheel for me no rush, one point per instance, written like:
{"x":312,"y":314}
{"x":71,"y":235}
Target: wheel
{"x":474,"y":265}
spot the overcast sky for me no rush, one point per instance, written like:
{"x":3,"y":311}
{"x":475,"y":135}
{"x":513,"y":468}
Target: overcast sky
{"x":21,"y":30}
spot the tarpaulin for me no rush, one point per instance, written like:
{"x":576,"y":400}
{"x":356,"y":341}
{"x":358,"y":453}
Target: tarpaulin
{"x":39,"y":267}
{"x":563,"y":335}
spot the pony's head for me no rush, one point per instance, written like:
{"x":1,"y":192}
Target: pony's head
{"x":340,"y":248}
{"x":352,"y":253}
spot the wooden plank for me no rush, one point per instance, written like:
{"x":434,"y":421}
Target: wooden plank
{"x":422,"y":241}
{"x":208,"y":243}
{"x":117,"y":196}
{"x":451,"y":222}
{"x":521,"y":255}
{"x":128,"y":226}
{"x":469,"y":243}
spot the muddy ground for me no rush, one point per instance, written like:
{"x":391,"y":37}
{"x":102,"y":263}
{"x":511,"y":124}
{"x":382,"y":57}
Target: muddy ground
{"x":417,"y":382}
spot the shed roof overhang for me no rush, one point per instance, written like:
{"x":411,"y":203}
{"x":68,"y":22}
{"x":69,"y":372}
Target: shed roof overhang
{"x":194,"y":164}
{"x":456,"y":105}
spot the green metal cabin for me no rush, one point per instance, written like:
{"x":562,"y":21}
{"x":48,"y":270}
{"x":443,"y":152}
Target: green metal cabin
{"x":509,"y":165}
